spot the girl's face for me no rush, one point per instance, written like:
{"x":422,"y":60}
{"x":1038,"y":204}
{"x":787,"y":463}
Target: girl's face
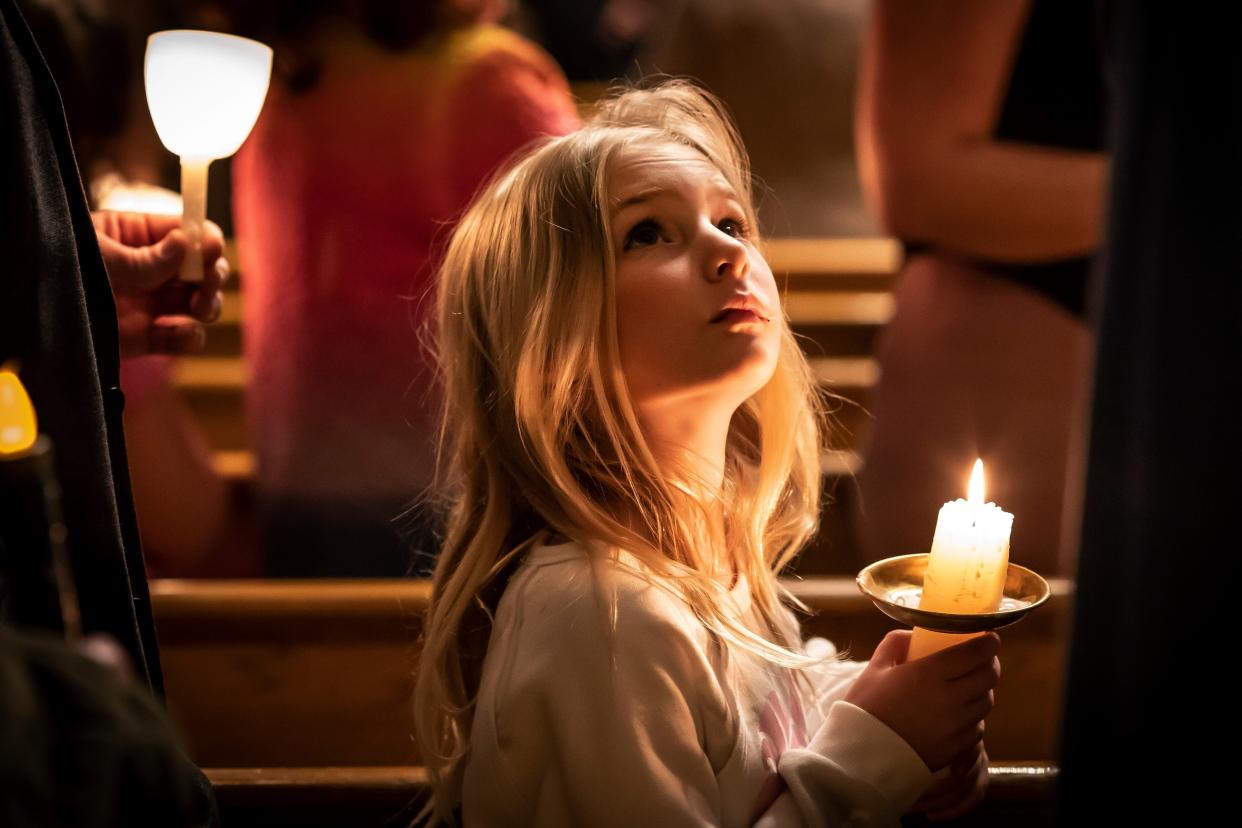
{"x":698,"y":314}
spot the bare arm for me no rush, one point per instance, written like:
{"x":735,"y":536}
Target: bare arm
{"x":931,"y":86}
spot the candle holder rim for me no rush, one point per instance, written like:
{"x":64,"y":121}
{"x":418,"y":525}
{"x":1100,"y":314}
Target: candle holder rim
{"x":952,"y":622}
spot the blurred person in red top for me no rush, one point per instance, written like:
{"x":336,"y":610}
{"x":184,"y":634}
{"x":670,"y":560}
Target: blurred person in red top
{"x":382,"y":121}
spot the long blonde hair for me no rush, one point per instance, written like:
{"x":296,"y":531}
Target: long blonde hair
{"x":539,"y":433}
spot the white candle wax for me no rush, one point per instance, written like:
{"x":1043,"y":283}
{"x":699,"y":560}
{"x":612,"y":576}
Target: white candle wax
{"x":193,"y":216}
{"x":967,"y":566}
{"x":205,"y":90}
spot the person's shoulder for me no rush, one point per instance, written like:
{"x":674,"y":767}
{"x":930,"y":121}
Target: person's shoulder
{"x":577,"y":588}
{"x":596,"y":630}
{"x":483,"y":51}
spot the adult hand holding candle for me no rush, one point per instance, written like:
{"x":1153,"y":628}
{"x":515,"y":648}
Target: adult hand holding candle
{"x":204,"y":90}
{"x":967,"y":565}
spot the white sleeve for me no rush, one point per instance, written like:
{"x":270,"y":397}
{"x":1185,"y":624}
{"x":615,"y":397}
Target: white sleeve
{"x":856,"y":771}
{"x":833,"y":678}
{"x":629,"y":742}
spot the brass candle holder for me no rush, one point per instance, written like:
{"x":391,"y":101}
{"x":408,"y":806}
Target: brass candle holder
{"x":895,"y":586}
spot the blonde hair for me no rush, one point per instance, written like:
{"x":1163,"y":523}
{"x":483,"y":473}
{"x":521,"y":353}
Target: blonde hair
{"x":540,"y":435}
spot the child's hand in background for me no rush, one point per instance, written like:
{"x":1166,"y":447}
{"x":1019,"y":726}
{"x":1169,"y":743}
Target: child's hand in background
{"x":938,"y":703}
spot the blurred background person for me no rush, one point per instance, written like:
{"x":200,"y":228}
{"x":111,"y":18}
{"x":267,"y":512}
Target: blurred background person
{"x":593,"y":41}
{"x":980,"y":129}
{"x":382,"y":120}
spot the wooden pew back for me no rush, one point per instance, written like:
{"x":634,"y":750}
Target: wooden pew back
{"x":320,"y":673}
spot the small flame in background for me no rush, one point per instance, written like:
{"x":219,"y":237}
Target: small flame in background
{"x":18,"y":428}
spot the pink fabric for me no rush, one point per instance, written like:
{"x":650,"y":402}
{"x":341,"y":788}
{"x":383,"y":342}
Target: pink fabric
{"x":782,"y":729}
{"x":341,"y":195}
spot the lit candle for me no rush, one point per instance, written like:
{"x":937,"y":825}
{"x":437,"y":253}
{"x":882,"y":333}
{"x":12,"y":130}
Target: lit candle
{"x":967,"y":566}
{"x":38,"y":582}
{"x":204,"y":90}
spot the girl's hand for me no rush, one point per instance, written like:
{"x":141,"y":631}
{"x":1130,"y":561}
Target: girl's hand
{"x":961,"y":791}
{"x":938,"y":703}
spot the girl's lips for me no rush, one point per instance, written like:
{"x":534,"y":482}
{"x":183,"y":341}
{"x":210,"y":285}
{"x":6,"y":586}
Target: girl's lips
{"x":734,"y":316}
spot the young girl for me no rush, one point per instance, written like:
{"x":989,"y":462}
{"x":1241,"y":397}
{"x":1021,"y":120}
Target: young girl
{"x":634,"y":444}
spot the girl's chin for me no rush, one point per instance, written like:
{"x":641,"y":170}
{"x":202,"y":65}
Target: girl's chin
{"x":726,"y":390}
{"x":744,"y":379}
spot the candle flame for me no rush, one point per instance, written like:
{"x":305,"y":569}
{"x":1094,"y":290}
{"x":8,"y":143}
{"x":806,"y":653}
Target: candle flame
{"x":975,"y":490}
{"x":17,"y":416}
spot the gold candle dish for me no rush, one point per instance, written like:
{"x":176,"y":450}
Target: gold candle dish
{"x":895,"y":586}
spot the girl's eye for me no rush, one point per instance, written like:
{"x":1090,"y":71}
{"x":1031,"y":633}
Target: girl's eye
{"x":643,"y":234}
{"x":733,"y":227}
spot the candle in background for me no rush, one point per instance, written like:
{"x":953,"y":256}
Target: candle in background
{"x":205,"y":91}
{"x":967,"y":566}
{"x":38,"y":590}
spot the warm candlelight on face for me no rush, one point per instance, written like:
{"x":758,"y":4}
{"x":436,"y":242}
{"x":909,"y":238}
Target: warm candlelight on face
{"x":967,"y":565}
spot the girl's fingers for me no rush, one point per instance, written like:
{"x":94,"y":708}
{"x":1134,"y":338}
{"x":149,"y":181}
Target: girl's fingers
{"x":966,"y":738}
{"x":979,"y":681}
{"x":971,"y":800}
{"x":968,"y":788}
{"x":979,"y":708}
{"x":944,"y":793}
{"x":963,"y":659}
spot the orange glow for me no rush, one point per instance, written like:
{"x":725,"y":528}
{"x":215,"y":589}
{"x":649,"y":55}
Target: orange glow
{"x":18,"y":429}
{"x":975,"y":490}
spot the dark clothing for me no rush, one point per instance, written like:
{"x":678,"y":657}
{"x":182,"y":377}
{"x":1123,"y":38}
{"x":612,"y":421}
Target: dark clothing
{"x":1056,"y":90}
{"x":1055,"y":98}
{"x":58,"y":320}
{"x":1153,"y":624}
{"x":81,"y":748}
{"x":78,"y":747}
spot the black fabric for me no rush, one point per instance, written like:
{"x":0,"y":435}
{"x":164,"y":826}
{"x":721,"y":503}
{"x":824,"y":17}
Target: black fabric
{"x":77,"y":748}
{"x":82,"y":748}
{"x":1056,"y":90}
{"x":1149,"y":693}
{"x":58,"y":320}
{"x":1056,"y":97}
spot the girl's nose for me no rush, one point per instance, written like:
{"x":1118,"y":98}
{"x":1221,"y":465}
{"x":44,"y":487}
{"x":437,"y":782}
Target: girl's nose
{"x":729,"y":259}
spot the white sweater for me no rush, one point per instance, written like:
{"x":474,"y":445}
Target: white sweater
{"x":682,"y":731}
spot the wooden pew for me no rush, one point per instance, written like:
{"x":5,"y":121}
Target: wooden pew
{"x":832,"y":551}
{"x":1020,"y":795}
{"x":295,"y":695}
{"x":281,"y":674}
{"x":356,"y":797}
